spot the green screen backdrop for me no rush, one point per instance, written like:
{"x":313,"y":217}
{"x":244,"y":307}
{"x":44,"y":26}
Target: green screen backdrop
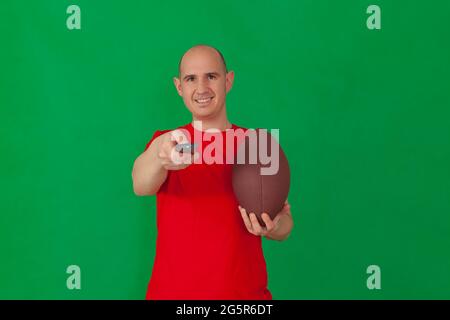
{"x":363,"y":116}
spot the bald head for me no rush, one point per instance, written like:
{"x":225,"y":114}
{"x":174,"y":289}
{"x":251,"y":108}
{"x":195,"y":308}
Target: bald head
{"x":199,"y":51}
{"x":203,"y":82}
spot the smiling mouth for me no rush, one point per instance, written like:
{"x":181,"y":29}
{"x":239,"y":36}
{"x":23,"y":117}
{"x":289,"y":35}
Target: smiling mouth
{"x":204,"y":101}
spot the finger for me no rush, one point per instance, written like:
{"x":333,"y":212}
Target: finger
{"x":162,"y":154}
{"x":247,"y":222}
{"x":168,"y":162}
{"x":186,"y":158}
{"x":285,"y":210}
{"x":173,"y":167}
{"x":189,"y":158}
{"x":169,"y":141}
{"x":269,"y":223}
{"x":166,"y":149}
{"x":178,"y":136}
{"x":286,"y":203}
{"x":176,"y":167}
{"x":255,"y":224}
{"x":178,"y":158}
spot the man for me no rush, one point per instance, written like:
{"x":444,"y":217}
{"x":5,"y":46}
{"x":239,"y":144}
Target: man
{"x":207,"y":247}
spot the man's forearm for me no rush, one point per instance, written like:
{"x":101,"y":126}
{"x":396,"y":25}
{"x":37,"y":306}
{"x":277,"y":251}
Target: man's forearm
{"x":148,"y":174}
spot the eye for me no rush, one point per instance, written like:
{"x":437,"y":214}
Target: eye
{"x":211,"y":76}
{"x":190,"y":79}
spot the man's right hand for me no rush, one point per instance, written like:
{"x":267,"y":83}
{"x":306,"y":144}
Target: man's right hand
{"x":169,"y":158}
{"x":150,"y":169}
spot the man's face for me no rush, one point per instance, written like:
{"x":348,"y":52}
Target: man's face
{"x":203,"y":82}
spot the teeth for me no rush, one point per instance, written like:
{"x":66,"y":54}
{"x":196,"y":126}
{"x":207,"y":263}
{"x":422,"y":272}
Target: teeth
{"x":203,"y":100}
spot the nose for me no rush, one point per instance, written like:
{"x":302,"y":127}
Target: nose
{"x":202,"y":86}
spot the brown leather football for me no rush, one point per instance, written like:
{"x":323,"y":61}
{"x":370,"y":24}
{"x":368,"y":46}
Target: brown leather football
{"x":261,"y":182}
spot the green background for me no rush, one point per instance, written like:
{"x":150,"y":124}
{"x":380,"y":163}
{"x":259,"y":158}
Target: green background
{"x":363,"y":116}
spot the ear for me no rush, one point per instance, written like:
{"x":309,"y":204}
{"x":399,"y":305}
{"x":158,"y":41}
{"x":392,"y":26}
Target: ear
{"x":229,"y":80}
{"x":177,"y":84}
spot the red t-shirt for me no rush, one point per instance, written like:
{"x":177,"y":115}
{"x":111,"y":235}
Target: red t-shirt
{"x":203,"y":250}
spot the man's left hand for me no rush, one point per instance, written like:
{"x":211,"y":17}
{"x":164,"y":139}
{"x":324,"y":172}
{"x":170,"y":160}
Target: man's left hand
{"x":277,"y":229}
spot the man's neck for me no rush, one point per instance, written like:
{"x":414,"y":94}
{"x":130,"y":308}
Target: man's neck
{"x":220,"y":124}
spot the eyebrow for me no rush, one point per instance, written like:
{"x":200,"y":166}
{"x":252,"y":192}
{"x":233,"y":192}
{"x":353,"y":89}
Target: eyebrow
{"x":208,"y":74}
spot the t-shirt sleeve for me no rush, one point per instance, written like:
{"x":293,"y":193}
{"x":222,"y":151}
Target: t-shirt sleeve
{"x":155,"y":135}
